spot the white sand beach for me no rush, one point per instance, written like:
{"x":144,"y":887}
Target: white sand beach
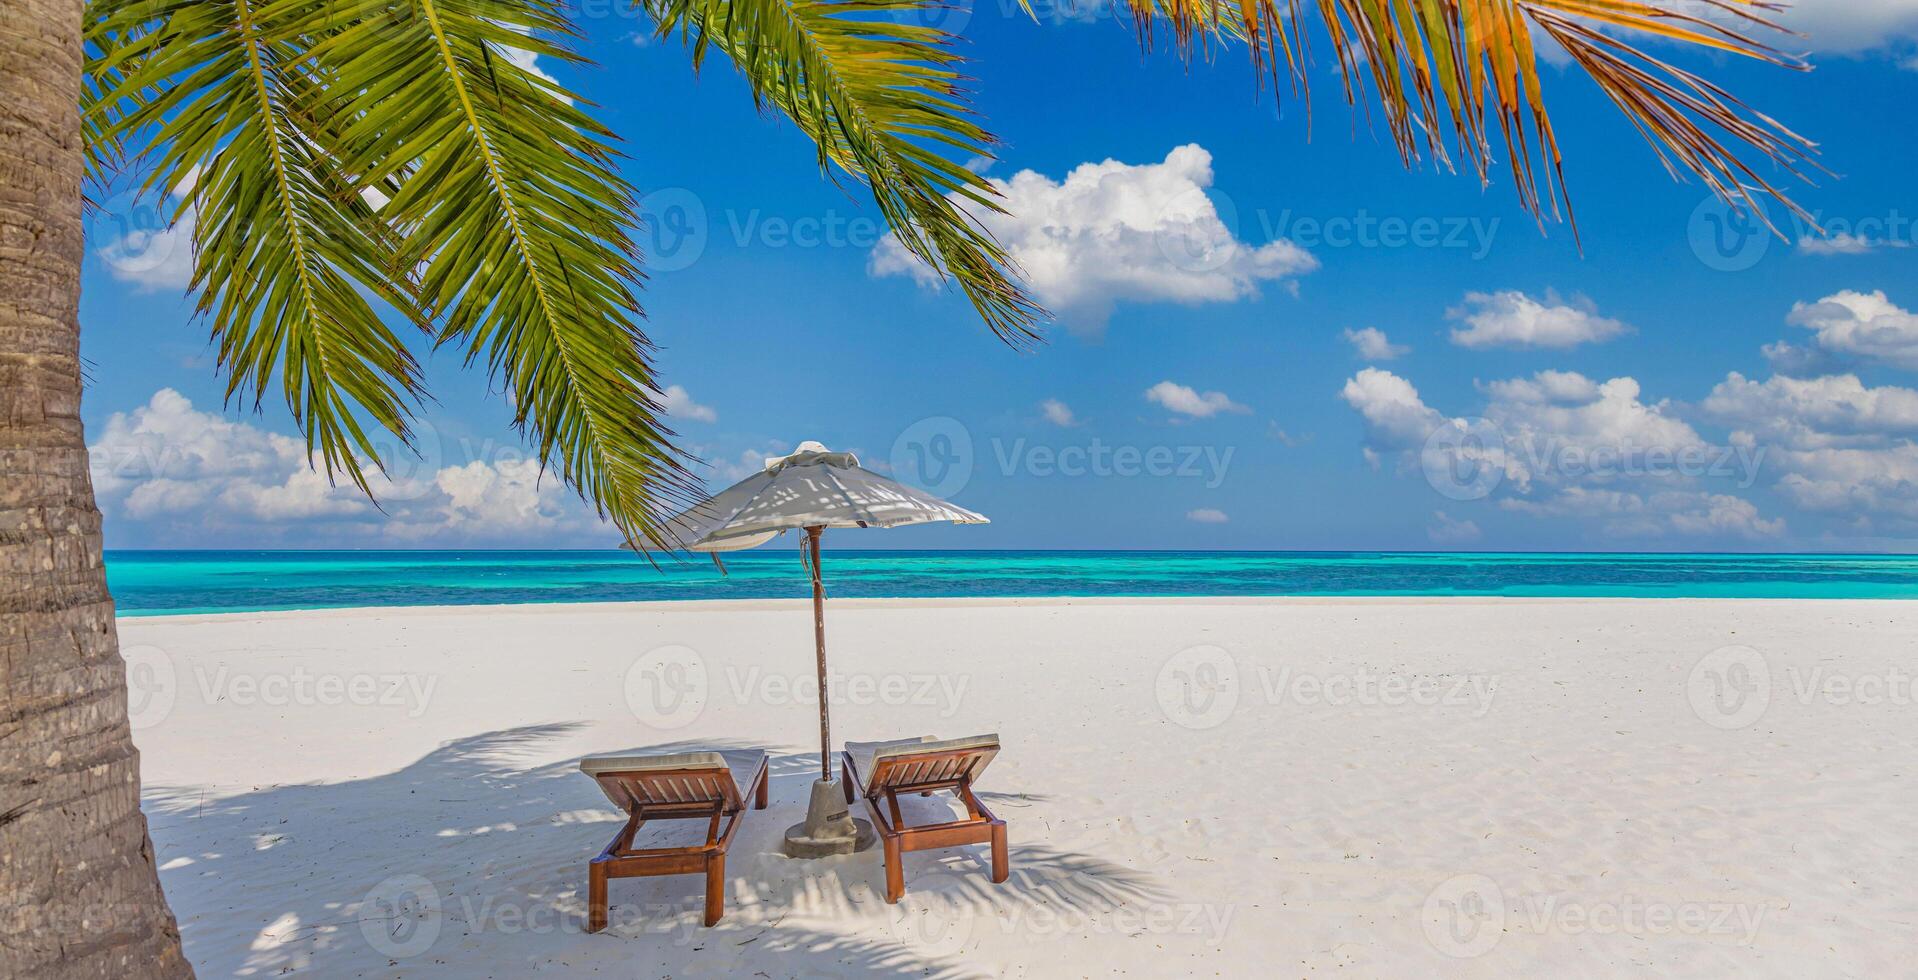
{"x":1372,"y":787}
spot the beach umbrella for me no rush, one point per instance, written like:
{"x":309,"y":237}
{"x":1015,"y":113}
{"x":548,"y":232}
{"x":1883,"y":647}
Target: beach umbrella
{"x":810,"y":490}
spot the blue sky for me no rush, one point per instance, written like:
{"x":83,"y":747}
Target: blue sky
{"x":1211,"y":382}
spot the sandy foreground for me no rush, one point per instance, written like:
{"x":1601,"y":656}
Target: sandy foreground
{"x":1375,"y":787}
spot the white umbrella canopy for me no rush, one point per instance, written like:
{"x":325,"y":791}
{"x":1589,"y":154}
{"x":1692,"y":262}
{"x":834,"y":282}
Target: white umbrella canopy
{"x":810,"y":490}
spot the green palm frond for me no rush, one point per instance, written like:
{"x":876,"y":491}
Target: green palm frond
{"x":506,"y":198}
{"x":1464,"y":67}
{"x":209,"y":93}
{"x":882,"y":97}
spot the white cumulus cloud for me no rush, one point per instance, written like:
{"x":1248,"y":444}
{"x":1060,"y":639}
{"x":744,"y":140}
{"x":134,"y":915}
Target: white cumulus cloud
{"x":181,"y":475}
{"x":1812,"y":409}
{"x":722,"y":469}
{"x":1851,"y":26}
{"x":1867,"y":325}
{"x":1559,"y":444}
{"x":1396,"y":418}
{"x":146,"y":238}
{"x":1371,"y":344}
{"x":1189,"y":402}
{"x":1057,"y":412}
{"x":1843,"y":243}
{"x":1114,"y":232}
{"x":1207,"y":515}
{"x":679,"y":404}
{"x":1513,"y":319}
{"x":1840,"y":447}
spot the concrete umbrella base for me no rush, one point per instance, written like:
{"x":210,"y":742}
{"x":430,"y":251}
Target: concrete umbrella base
{"x":828,"y":829}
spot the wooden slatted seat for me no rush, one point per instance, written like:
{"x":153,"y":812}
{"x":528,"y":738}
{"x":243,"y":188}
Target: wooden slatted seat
{"x":880,"y":771}
{"x":682,"y":785}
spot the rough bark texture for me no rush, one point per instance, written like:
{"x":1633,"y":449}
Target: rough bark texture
{"x":81,"y":894}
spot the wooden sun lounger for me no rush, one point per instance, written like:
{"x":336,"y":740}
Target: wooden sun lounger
{"x":923,"y":765}
{"x":683,"y":785}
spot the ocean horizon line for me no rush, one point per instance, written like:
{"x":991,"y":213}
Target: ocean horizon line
{"x":157,"y":582}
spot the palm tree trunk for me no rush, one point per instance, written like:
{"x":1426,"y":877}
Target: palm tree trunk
{"x":76,"y":866}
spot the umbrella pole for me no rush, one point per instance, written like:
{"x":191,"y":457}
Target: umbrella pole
{"x":819,"y":640}
{"x":828,"y":828}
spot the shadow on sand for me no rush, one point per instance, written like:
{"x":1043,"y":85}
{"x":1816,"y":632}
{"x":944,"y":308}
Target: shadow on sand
{"x":471,"y":860}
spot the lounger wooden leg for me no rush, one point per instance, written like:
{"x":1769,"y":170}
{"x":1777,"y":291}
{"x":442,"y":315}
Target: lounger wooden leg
{"x":759,"y":798}
{"x":895,"y":872}
{"x":595,"y":896}
{"x":715,"y":886}
{"x":1001,"y":866}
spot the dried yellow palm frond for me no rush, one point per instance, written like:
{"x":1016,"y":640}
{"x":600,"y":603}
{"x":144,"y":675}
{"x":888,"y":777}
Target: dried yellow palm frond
{"x":1462,"y":68}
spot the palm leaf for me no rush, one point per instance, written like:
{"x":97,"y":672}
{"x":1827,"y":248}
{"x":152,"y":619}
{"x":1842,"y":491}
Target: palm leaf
{"x":1478,"y":59}
{"x":506,"y":198}
{"x":207,"y":93}
{"x":882,"y":98}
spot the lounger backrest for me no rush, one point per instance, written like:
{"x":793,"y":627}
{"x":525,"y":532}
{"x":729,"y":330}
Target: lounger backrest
{"x":684,"y":779}
{"x":919,"y":763}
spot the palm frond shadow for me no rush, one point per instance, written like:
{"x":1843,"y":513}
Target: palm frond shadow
{"x":473,"y":859}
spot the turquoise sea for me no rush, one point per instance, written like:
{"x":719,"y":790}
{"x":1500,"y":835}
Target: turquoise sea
{"x":149,"y":583}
